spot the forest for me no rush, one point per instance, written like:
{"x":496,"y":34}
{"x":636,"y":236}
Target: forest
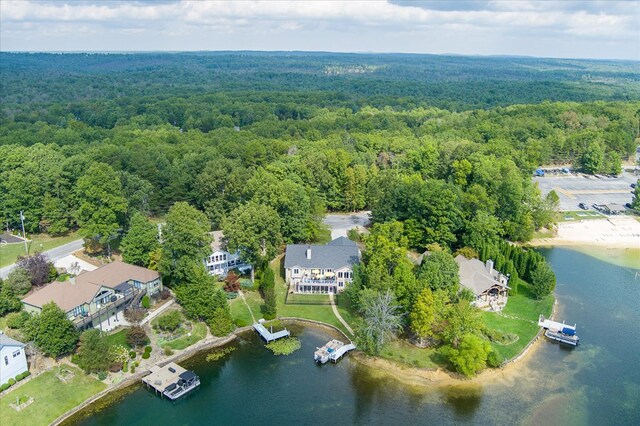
{"x":441,"y":149}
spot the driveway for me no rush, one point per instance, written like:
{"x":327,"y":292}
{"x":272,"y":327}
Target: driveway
{"x":340,"y":223}
{"x":53,"y":254}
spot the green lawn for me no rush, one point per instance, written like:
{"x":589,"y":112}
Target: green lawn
{"x":10,"y":252}
{"x":322,"y":313}
{"x":198,"y":333}
{"x":520,"y":317}
{"x":405,"y":353}
{"x":309,"y":298}
{"x":578,"y":215}
{"x":118,"y":338}
{"x":51,"y":397}
{"x":239,"y":311}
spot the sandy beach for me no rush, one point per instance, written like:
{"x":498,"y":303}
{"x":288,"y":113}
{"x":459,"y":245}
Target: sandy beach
{"x":621,"y":232}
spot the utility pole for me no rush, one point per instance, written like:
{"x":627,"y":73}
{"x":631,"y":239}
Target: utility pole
{"x":26,"y":249}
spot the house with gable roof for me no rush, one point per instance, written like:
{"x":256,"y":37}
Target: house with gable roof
{"x":324,"y":269}
{"x":13,"y":360}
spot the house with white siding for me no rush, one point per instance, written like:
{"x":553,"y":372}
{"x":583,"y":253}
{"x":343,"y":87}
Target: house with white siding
{"x":220,"y":261}
{"x":13,"y":360}
{"x":324,"y":269}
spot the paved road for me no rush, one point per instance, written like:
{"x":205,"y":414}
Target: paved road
{"x":54,"y":254}
{"x":340,"y":223}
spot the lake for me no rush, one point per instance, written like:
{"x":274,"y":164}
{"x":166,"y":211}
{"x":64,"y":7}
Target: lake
{"x":597,"y":383}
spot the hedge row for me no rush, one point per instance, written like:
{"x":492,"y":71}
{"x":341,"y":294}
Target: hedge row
{"x":12,"y":382}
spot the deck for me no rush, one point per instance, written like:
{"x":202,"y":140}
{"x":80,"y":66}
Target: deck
{"x":171,"y":380}
{"x":269,"y":335}
{"x":332,"y":351}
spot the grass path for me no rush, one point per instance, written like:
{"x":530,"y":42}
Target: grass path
{"x":337,"y":314}
{"x":247,"y":305}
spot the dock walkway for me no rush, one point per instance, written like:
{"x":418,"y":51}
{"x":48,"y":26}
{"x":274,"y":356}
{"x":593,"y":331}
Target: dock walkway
{"x":270,"y":336}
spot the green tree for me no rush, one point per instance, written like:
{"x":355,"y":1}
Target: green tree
{"x":470,"y":356}
{"x":592,"y":159}
{"x":543,"y":280}
{"x":51,"y":330}
{"x":19,"y":281}
{"x":635,"y":204}
{"x":9,"y":302}
{"x":140,"y":240}
{"x":186,"y":243}
{"x":382,"y":319}
{"x":94,"y":353}
{"x":483,"y":228}
{"x":426,"y":317}
{"x":461,"y":318}
{"x":221,"y":323}
{"x":439,"y":271}
{"x":103,"y":207}
{"x":254,"y":230}
{"x":199,"y":297}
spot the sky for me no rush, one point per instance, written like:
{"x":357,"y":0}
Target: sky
{"x":561,"y":29}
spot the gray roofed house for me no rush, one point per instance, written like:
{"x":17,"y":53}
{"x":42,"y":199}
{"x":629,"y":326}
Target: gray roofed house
{"x":314,"y":268}
{"x":486,"y":283}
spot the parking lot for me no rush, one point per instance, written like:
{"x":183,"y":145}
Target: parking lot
{"x":578,"y":188}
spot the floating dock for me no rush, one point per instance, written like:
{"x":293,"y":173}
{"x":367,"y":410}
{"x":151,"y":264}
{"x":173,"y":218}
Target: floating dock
{"x":332,"y":351}
{"x":559,"y":332}
{"x":171,"y":380}
{"x":269,"y":335}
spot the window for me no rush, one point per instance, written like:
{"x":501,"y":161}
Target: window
{"x":16,"y":353}
{"x":77,"y":310}
{"x":296,"y":271}
{"x":6,"y":360}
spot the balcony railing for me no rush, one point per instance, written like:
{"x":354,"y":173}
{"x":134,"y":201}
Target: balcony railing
{"x":82,"y":321}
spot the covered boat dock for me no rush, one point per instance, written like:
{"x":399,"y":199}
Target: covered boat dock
{"x":171,"y":380}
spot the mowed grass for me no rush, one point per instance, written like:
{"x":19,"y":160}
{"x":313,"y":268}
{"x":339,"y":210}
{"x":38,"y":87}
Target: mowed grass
{"x":9,"y":253}
{"x":574,"y":216}
{"x":322,"y":313}
{"x":51,"y":397}
{"x":118,"y":338}
{"x":403,"y":352}
{"x":519,"y":317}
{"x":239,"y":311}
{"x":198,"y":332}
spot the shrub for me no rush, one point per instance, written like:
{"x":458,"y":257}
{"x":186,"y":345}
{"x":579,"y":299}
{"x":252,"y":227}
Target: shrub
{"x":134,"y":315}
{"x":125,"y":367}
{"x":75,"y":358}
{"x":4,"y":387}
{"x":115,"y":367}
{"x":148,"y":349}
{"x":133,"y":369}
{"x":136,"y":336}
{"x":232,"y":295}
{"x":146,"y":303}
{"x":241,"y":323}
{"x":146,"y":355}
{"x":102,"y":375}
{"x":12,"y":382}
{"x":494,"y":360}
{"x":168,"y":351}
{"x":17,"y":320}
{"x":170,"y":321}
{"x":165,"y":294}
{"x":132,"y":354}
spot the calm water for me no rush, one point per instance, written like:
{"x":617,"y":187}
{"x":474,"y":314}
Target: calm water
{"x":598,"y":383}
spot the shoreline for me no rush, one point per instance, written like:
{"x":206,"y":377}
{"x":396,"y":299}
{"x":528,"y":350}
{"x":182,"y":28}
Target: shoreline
{"x":621,"y":232}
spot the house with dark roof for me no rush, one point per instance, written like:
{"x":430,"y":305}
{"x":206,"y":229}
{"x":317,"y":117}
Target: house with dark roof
{"x":92,"y":298}
{"x":13,"y":360}
{"x":315,"y":268}
{"x":488,"y":285}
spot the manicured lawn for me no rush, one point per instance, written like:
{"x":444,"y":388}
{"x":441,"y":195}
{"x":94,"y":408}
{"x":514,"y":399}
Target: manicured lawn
{"x":118,"y":338}
{"x":309,"y":298}
{"x":239,"y":311}
{"x":321,"y":313}
{"x":578,"y":215}
{"x":198,"y":333}
{"x":405,"y":353}
{"x":51,"y":397}
{"x":10,"y":252}
{"x":520,"y":317}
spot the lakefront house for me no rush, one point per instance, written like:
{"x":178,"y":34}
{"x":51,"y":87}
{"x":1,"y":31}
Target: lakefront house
{"x":95,"y":298}
{"x":13,"y":360}
{"x":488,"y":285}
{"x":321,"y":268}
{"x":220,"y":261}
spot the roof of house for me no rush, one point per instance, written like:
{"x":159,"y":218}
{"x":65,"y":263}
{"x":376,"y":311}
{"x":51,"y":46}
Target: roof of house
{"x":8,"y":341}
{"x":115,"y":273}
{"x":334,"y":255}
{"x":69,"y":294}
{"x":66,"y":294}
{"x":475,"y":276}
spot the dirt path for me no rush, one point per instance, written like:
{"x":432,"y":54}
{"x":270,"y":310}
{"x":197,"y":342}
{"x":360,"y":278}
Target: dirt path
{"x":337,"y":314}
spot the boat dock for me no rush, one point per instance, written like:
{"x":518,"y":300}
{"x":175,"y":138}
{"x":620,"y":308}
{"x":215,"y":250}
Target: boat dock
{"x":559,"y":332}
{"x":171,"y":380}
{"x":332,"y":351}
{"x":269,"y":335}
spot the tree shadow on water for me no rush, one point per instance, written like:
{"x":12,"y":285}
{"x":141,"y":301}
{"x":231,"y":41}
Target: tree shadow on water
{"x":464,"y":400}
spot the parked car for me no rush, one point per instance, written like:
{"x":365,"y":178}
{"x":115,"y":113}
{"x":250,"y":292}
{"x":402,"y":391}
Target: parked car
{"x":628,"y":205}
{"x":583,"y":206}
{"x":633,"y":185}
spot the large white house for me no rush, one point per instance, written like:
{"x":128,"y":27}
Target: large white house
{"x":321,"y":268}
{"x":13,"y":360}
{"x":220,"y":261}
